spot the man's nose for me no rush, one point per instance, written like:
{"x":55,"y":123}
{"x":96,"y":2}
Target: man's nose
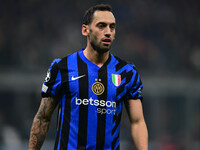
{"x":108,"y":32}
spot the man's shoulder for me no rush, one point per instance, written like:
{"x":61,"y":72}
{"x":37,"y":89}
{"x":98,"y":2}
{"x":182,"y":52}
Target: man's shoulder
{"x":123,"y":63}
{"x":69,"y":55}
{"x":63,"y":61}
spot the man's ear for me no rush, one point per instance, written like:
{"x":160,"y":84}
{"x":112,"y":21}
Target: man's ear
{"x":85,"y":30}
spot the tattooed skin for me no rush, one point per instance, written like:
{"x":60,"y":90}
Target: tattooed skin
{"x":41,"y":122}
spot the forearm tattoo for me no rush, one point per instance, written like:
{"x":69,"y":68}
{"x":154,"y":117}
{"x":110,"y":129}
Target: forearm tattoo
{"x":41,"y":123}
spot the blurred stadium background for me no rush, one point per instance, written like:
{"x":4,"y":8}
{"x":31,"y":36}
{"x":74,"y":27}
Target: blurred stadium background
{"x":162,"y":38}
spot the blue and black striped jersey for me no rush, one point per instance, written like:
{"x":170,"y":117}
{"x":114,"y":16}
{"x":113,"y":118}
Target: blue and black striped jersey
{"x":91,"y":100}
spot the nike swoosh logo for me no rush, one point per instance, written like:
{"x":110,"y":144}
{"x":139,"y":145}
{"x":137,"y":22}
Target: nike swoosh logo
{"x":75,"y":78}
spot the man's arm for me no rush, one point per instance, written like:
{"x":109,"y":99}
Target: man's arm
{"x":41,"y":122}
{"x":138,"y":126}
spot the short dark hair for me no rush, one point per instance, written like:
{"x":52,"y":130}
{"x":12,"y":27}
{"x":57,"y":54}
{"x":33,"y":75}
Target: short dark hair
{"x":88,"y":16}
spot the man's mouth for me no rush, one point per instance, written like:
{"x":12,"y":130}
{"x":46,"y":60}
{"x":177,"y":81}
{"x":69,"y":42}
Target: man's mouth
{"x":106,"y":41}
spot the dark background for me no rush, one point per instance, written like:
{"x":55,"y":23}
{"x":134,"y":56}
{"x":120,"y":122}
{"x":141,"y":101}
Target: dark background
{"x":162,"y":38}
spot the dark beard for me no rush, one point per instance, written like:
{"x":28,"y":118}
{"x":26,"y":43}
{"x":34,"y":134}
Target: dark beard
{"x":95,"y":46}
{"x":99,"y":49}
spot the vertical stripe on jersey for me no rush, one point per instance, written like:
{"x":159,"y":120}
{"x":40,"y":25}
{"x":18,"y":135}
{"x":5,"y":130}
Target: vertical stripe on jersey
{"x":101,"y":118}
{"x":59,"y":122}
{"x":59,"y":138}
{"x":54,"y":76}
{"x":73,"y":89}
{"x":83,"y":109}
{"x":92,"y":111}
{"x":65,"y":109}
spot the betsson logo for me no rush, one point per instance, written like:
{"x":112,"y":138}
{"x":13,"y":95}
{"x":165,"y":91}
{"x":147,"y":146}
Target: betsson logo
{"x":110,"y":105}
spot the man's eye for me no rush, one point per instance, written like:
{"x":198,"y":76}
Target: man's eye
{"x":100,"y":26}
{"x":112,"y":26}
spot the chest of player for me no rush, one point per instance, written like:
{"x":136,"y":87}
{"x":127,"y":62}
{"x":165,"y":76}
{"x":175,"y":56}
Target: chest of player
{"x":98,"y":84}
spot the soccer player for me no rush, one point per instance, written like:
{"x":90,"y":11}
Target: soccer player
{"x":90,"y":87}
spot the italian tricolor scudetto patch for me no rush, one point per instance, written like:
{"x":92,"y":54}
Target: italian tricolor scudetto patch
{"x":116,"y":79}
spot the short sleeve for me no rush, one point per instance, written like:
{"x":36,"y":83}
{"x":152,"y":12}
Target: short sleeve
{"x":52,"y":81}
{"x":135,"y":91}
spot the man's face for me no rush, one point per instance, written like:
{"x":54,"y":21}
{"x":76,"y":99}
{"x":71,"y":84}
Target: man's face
{"x":102,"y":31}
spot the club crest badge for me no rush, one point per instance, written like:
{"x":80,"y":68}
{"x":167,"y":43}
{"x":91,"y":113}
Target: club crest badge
{"x":116,"y":79}
{"x":98,"y":88}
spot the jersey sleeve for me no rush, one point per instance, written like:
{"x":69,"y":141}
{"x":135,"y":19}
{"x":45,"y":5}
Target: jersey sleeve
{"x":52,"y":81}
{"x":135,"y":91}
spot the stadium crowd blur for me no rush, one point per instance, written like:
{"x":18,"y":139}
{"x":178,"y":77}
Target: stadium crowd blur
{"x":162,"y":38}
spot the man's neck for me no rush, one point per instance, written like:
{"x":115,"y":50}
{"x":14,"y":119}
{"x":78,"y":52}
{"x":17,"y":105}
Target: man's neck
{"x":97,"y":58}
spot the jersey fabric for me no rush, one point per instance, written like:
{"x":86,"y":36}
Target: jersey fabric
{"x":91,"y":100}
